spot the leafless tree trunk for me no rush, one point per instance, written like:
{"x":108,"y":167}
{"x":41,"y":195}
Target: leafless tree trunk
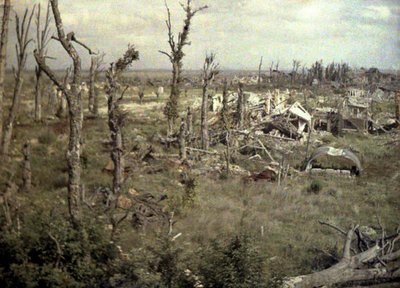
{"x":73,"y":96}
{"x":175,"y":57}
{"x":375,"y":261}
{"x":115,"y":123}
{"x":210,"y":70}
{"x":3,"y":54}
{"x":22,"y":31}
{"x":42,"y":39}
{"x":228,"y":152}
{"x":189,"y":125}
{"x":240,"y":107}
{"x":141,"y":94}
{"x":92,"y":80}
{"x":182,"y":141}
{"x":62,"y":104}
{"x":278,"y":74}
{"x":303,"y":76}
{"x":52,"y":100}
{"x":96,"y":62}
{"x":259,"y":74}
{"x":26,"y":168}
{"x":271,"y":69}
{"x":225,"y":107}
{"x":295,"y":68}
{"x":227,"y":125}
{"x":397,"y":104}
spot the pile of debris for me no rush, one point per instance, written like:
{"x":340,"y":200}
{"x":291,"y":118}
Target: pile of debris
{"x":268,"y":112}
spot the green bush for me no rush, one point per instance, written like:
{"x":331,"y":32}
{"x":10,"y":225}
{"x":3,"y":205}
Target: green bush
{"x":235,"y":263}
{"x":315,"y":186}
{"x":48,"y":252}
{"x":190,"y":192}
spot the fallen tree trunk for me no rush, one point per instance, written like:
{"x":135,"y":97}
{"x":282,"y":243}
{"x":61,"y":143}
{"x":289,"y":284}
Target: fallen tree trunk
{"x":370,"y":266}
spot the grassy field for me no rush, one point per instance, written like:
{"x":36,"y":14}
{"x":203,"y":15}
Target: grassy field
{"x":282,"y":220}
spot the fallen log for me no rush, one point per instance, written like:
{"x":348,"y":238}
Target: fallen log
{"x":369,"y":266}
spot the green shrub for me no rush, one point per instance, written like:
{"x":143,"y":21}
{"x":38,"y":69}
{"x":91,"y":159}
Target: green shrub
{"x":162,"y":265}
{"x":234,"y":263}
{"x":190,"y":192}
{"x":48,"y":252}
{"x":315,"y":186}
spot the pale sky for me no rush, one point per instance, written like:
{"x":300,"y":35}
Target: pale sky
{"x":361,"y":32}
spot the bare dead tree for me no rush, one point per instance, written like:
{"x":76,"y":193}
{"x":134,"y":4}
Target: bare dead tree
{"x":271,"y":69}
{"x":73,"y":97}
{"x":3,"y":54}
{"x":225,"y":108}
{"x":189,"y":125}
{"x":92,"y":92}
{"x":228,"y":152}
{"x":397,"y":105}
{"x":210,"y":70}
{"x":295,"y":69}
{"x":52,"y":99}
{"x":227,"y":125}
{"x":317,"y":72}
{"x":278,"y":73}
{"x":240,"y":111}
{"x":95,"y":65}
{"x":364,"y":261}
{"x":62,"y":99}
{"x":182,"y":141}
{"x":259,"y":73}
{"x":141,"y":94}
{"x":26,"y":167}
{"x":42,"y":40}
{"x":175,"y":57}
{"x":303,"y":75}
{"x":115,"y":124}
{"x":22,"y":27}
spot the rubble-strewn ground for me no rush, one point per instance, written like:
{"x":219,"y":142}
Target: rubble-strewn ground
{"x":283,"y":218}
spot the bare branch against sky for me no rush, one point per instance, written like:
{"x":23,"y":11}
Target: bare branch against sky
{"x":362,"y":32}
